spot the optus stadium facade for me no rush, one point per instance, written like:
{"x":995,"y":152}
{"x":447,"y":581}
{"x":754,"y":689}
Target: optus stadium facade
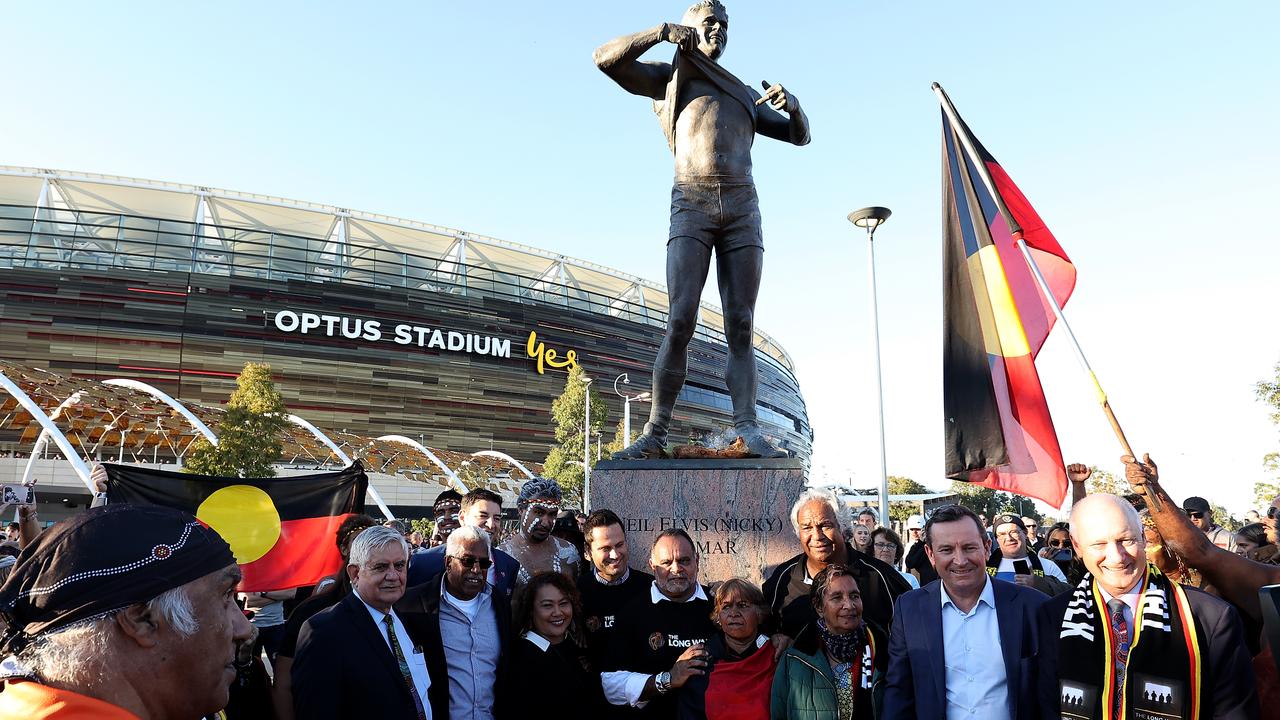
{"x":372,"y":324}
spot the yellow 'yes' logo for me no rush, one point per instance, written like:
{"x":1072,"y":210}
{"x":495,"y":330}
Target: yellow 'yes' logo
{"x":549,"y":357}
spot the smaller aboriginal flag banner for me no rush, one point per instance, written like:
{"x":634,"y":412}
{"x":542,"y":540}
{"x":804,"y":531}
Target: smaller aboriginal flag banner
{"x":998,"y":429}
{"x":281,"y":530}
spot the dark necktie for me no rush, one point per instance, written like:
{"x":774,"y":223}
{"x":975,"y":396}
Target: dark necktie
{"x":1119,"y":630}
{"x":404,"y":665}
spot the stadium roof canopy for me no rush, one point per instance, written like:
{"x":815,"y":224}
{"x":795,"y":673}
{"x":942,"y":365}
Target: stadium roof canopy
{"x":322,"y":242}
{"x":115,"y":420}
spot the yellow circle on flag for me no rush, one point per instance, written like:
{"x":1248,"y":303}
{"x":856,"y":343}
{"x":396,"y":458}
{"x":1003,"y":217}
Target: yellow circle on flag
{"x":245,"y":517}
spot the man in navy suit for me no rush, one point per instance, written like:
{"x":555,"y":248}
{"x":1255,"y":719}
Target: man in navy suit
{"x":483,"y":509}
{"x":963,"y":646}
{"x":358,"y":658}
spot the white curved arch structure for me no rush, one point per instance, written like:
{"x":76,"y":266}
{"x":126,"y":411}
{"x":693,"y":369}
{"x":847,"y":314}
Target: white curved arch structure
{"x":346,"y":460}
{"x":454,"y":480}
{"x":43,"y":440}
{"x":162,"y":397}
{"x":503,"y":456}
{"x":59,"y":439}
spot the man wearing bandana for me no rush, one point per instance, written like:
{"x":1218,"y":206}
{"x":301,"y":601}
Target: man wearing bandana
{"x":446,"y":509}
{"x":122,"y":612}
{"x":1129,"y":643}
{"x":533,"y":545}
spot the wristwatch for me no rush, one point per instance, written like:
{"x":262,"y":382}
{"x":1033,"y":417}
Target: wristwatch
{"x":662,"y":682}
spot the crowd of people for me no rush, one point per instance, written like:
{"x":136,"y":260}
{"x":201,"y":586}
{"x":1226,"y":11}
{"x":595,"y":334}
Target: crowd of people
{"x":1137,"y":608}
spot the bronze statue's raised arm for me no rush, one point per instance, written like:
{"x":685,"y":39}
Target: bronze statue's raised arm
{"x":1236,"y":578}
{"x":794,"y":128}
{"x":620,"y":59}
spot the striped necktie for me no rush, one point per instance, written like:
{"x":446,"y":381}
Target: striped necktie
{"x":1120,"y":631}
{"x":404,"y":666}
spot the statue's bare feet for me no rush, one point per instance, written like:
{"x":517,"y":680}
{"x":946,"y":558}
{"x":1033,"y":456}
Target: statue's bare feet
{"x":645,"y":446}
{"x":759,"y":446}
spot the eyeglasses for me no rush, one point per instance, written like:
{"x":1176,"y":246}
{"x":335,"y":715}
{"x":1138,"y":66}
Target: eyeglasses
{"x":1195,"y":514}
{"x":885,"y":546}
{"x":470,"y":562}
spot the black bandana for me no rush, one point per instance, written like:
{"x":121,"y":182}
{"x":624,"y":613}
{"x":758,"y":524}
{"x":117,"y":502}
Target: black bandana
{"x":102,"y":560}
{"x":1162,"y":675}
{"x":844,"y":648}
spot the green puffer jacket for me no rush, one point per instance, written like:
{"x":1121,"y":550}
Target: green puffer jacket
{"x":804,"y":687}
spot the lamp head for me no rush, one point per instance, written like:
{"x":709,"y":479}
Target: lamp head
{"x":642,"y":396}
{"x":870,"y":217}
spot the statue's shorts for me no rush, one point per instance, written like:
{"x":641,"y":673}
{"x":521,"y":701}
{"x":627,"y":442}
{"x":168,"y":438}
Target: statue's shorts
{"x":722,"y":214}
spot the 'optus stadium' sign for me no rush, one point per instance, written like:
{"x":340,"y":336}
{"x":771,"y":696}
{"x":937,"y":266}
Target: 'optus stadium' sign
{"x":353,"y":328}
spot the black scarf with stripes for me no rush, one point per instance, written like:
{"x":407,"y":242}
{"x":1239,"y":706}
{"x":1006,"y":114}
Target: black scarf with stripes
{"x":1162,"y":675}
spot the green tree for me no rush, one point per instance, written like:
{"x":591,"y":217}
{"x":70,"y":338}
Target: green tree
{"x":564,"y":461}
{"x":1265,"y":492}
{"x":619,"y":442}
{"x":249,"y":432}
{"x":980,"y":499}
{"x":1223,"y":517}
{"x":904,"y":486}
{"x":1102,"y":481}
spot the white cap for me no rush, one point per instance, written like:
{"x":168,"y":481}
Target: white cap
{"x":915,"y":522}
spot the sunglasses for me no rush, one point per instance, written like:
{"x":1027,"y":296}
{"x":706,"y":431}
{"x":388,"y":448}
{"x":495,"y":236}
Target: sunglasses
{"x":1272,"y":512}
{"x":1059,"y":543}
{"x":470,"y":562}
{"x":1195,"y":514}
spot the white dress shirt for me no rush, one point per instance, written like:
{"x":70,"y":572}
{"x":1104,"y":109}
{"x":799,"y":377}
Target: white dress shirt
{"x":623,"y":687}
{"x":412,"y":654}
{"x":976,"y":683}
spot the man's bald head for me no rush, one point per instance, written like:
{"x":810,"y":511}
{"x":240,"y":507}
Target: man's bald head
{"x":1091,"y":509}
{"x":1108,"y":538}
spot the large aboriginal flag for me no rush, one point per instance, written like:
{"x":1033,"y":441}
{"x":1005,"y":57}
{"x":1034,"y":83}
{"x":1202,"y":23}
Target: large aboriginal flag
{"x":998,"y":430}
{"x":281,"y":529}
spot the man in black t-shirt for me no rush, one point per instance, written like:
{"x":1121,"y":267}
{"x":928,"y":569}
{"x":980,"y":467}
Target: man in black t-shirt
{"x":658,"y":639}
{"x":819,"y":519}
{"x":608,"y":583}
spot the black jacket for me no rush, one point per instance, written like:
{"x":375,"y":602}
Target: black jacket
{"x":879,"y":583}
{"x":1227,"y":690}
{"x":343,"y":668}
{"x":419,"y":609}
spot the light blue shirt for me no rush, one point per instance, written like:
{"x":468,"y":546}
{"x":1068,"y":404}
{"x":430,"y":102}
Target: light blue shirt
{"x":977,"y":687}
{"x":469,"y":633}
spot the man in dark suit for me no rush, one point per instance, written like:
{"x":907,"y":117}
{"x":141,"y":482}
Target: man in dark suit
{"x":1123,"y":640}
{"x":466,"y":627}
{"x":358,"y":659}
{"x":963,"y":645}
{"x":483,"y":509}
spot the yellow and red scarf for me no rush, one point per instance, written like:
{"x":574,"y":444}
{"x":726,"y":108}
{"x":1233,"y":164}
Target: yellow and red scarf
{"x":1164,"y":670}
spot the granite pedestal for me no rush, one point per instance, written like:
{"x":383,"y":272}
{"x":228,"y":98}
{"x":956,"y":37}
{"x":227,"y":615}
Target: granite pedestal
{"x":736,"y":511}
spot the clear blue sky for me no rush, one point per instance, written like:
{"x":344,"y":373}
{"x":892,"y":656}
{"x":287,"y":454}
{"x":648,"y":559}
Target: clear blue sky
{"x":1144,"y":134}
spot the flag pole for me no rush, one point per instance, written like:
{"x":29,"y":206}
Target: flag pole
{"x":1098,"y":392}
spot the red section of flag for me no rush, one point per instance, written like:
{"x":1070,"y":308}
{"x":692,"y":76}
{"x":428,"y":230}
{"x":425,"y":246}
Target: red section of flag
{"x":1037,"y":315}
{"x":304,"y":554}
{"x":1035,"y":467}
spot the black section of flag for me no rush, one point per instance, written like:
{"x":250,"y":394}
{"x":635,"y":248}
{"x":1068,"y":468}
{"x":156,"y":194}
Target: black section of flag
{"x":295,"y":497}
{"x":974,"y":437}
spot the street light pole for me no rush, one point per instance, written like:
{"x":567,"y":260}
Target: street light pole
{"x":586,"y":447}
{"x":626,"y":406}
{"x":871,"y":218}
